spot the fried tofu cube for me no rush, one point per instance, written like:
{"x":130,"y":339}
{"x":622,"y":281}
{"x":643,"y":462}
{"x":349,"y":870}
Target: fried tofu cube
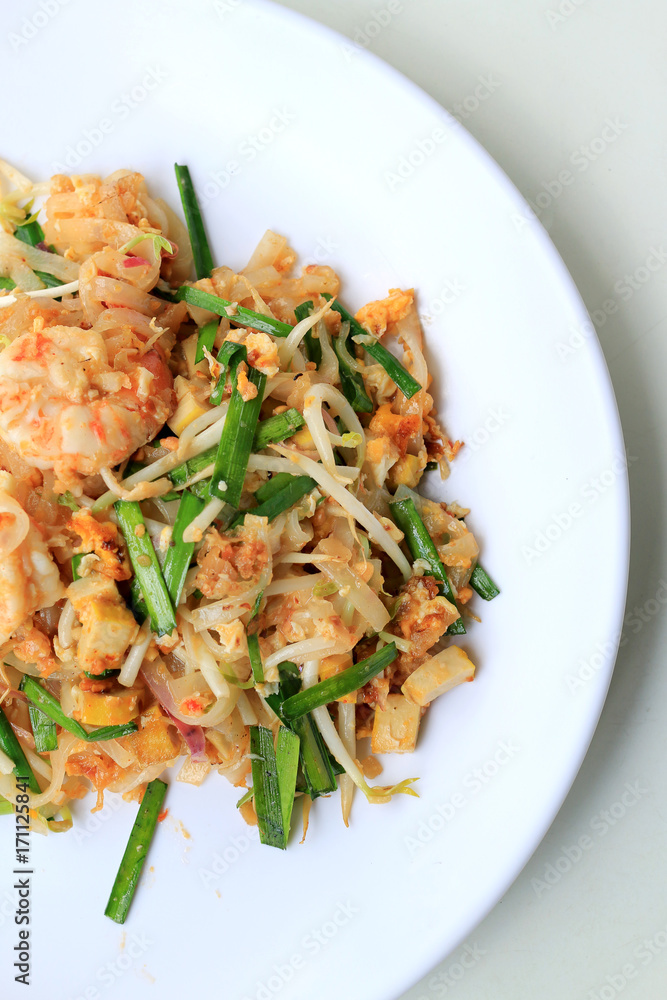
{"x":438,"y":674}
{"x":97,"y":708}
{"x":189,"y":346}
{"x":406,"y":472}
{"x":188,"y":407}
{"x":303,"y":439}
{"x":395,"y":727}
{"x":108,"y":629}
{"x":332,"y":665}
{"x":154,"y":743}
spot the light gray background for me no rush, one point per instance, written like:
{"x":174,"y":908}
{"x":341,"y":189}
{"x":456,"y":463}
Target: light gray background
{"x":578,"y":86}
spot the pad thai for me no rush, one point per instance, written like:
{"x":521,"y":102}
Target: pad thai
{"x":214,"y":555}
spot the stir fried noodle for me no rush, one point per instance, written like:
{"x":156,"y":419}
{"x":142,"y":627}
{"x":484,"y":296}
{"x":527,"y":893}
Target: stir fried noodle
{"x":213,"y":554}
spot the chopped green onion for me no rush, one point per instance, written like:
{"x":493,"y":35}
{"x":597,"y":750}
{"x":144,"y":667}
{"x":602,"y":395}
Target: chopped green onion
{"x":265,"y":783}
{"x":159,"y":293}
{"x":241,"y":317}
{"x":256,"y":606}
{"x":146,"y":567}
{"x":312,"y":343}
{"x":228,"y":360}
{"x":280,"y":501}
{"x":277,"y":482}
{"x":255,"y":655}
{"x":483,"y":584}
{"x":236,"y":439}
{"x":136,"y":851}
{"x":245,"y":798}
{"x":11,"y":746}
{"x":277,"y":428}
{"x":201,"y":251}
{"x":188,"y":470}
{"x":43,"y":729}
{"x":47,"y":279}
{"x":137,"y":602}
{"x":421,"y":546}
{"x":351,"y":381}
{"x":430,"y":466}
{"x":206,"y":339}
{"x":345,"y":682}
{"x":179,"y":553}
{"x":111,"y":732}
{"x":393,"y":367}
{"x":76,"y":562}
{"x":30,"y":232}
{"x":103,"y":676}
{"x":7,"y":284}
{"x":50,"y":706}
{"x":316,"y":761}
{"x":67,"y":500}
{"x":160,"y":243}
{"x":287,"y":763}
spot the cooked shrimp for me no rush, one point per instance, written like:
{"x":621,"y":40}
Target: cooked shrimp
{"x":29,"y":578}
{"x":66,"y":404}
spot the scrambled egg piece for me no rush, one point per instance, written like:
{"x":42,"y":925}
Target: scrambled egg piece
{"x":376,"y":316}
{"x":102,"y":538}
{"x":108,"y":625}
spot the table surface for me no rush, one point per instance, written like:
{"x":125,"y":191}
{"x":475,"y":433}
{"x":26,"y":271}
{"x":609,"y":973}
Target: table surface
{"x":573,"y":108}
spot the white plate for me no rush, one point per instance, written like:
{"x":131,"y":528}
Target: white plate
{"x":359,"y":913}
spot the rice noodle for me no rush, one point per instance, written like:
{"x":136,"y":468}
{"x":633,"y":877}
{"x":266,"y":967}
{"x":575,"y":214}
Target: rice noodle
{"x":297,"y":651}
{"x":291,"y":584}
{"x":58,"y":759}
{"x":377,"y":532}
{"x":348,"y":735}
{"x":135,"y":657}
{"x":66,"y":622}
{"x":289,"y":345}
{"x":195,"y":530}
{"x":312,"y":412}
{"x":358,"y":593}
{"x":41,"y":293}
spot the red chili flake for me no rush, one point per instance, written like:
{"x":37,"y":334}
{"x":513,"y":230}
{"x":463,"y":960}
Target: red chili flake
{"x":162,"y":815}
